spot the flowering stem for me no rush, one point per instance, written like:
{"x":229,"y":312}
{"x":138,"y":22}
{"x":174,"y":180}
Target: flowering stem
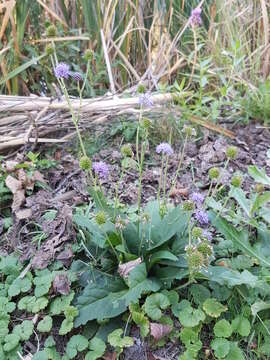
{"x":160,"y":179}
{"x":189,"y":230}
{"x":180,"y":162}
{"x":165,"y":181}
{"x":117,"y":193}
{"x":218,"y":180}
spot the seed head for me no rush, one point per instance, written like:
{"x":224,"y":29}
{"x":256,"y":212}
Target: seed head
{"x":231,"y":152}
{"x":195,"y":260}
{"x":141,"y":89}
{"x":164,"y":148}
{"x":145,"y":123}
{"x":236,"y":181}
{"x":188,"y":205}
{"x":51,"y":31}
{"x":101,"y":218}
{"x":197,"y":232}
{"x":213,"y":173}
{"x":85,"y":163}
{"x":189,"y":131}
{"x":88,"y":55}
{"x":126,"y":151}
{"x":205,"y":249}
{"x":76,"y":75}
{"x":259,"y":188}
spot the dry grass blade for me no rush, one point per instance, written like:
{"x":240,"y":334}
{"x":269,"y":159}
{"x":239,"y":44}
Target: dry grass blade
{"x":265,"y":18}
{"x":52,"y":13}
{"x":211,"y":126}
{"x":9,"y":6}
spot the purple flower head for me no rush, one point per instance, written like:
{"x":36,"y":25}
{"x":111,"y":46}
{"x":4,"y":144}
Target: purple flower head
{"x":62,"y":71}
{"x":195,"y":17}
{"x":146,"y":100}
{"x":75,"y":76}
{"x":207,"y":235}
{"x":101,"y":169}
{"x":202,"y":217}
{"x":197,"y":198}
{"x":164,"y":148}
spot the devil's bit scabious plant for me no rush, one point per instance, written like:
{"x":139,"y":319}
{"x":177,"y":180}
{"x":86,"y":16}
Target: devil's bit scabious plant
{"x":202,"y":217}
{"x":197,"y":198}
{"x":164,"y":148}
{"x":146,"y":100}
{"x":61,"y":71}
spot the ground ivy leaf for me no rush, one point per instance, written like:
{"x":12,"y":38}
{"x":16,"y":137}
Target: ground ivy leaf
{"x":49,"y":342}
{"x":41,"y":355}
{"x":97,"y":348}
{"x":19,"y":286}
{"x":24,"y":330}
{"x":76,"y":344}
{"x":153,"y":305}
{"x":141,"y":320}
{"x":223,"y":329}
{"x":116,"y":340}
{"x":188,"y":336}
{"x":199,"y":293}
{"x":213,"y":308}
{"x":241,"y":325}
{"x":66,"y":327}
{"x":191,"y":317}
{"x":11,"y":341}
{"x":60,"y":304}
{"x":6,"y":306}
{"x":43,"y":284}
{"x":221,"y":347}
{"x":235,"y":353}
{"x":45,"y":325}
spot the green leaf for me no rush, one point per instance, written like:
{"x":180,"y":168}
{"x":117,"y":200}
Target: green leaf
{"x":239,"y":195}
{"x":9,"y":265}
{"x":188,"y":337}
{"x":32,"y":304}
{"x":49,"y":342}
{"x":230,"y":233}
{"x":241,"y":325}
{"x":11,"y":341}
{"x":97,"y":349}
{"x":41,"y":355}
{"x":225,"y":276}
{"x":153,"y":305}
{"x":259,"y":306}
{"x":213,"y":308}
{"x":116,"y":340}
{"x":71,"y":312}
{"x":3,"y":329}
{"x":98,"y":236}
{"x":259,"y":201}
{"x":43,"y":284}
{"x":6,"y":306}
{"x":221,"y":347}
{"x":161,"y":255}
{"x":223,"y":328}
{"x":199,"y":293}
{"x":235,"y":353}
{"x":76,"y":344}
{"x":19,"y":286}
{"x":24,"y":330}
{"x":259,"y":175}
{"x":190,"y":317}
{"x":21,"y":68}
{"x":141,"y":320}
{"x":59,"y":305}
{"x":66,"y":326}
{"x":45,"y":325}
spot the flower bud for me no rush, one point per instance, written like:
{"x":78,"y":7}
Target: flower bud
{"x":141,"y":89}
{"x":213,"y":173}
{"x":189,"y":131}
{"x":259,"y":188}
{"x":126,"y":150}
{"x":195,"y":260}
{"x":231,"y":152}
{"x":85,"y":163}
{"x":145,"y":123}
{"x":101,"y":218}
{"x":49,"y":50}
{"x":205,"y":249}
{"x":51,"y":31}
{"x":236,"y":181}
{"x":88,"y":55}
{"x":188,"y":205}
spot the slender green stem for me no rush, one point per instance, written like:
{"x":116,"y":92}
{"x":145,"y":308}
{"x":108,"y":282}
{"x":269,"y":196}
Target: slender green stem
{"x":219,"y":179}
{"x":165,"y":181}
{"x":182,"y":154}
{"x":117,"y":192}
{"x":160,"y":179}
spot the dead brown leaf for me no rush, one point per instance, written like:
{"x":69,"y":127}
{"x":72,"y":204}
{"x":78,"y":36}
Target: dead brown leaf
{"x":125,"y":269}
{"x":158,"y":331}
{"x":176,"y":192}
{"x":66,"y":256}
{"x":11,"y":165}
{"x":18,"y":200}
{"x":110,"y":356}
{"x":13,"y":184}
{"x":23,"y":214}
{"x":61,"y":284}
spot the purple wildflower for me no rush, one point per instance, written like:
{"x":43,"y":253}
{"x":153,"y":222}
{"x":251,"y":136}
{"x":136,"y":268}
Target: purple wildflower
{"x":146,"y":100}
{"x":195,"y":18}
{"x":62,"y":71}
{"x":207,"y":235}
{"x":202,"y":217}
{"x":164,"y":148}
{"x":197,"y":198}
{"x":101,"y":169}
{"x":75,"y":76}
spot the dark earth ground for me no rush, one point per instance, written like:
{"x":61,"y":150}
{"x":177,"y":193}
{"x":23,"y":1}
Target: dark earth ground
{"x":68,"y":189}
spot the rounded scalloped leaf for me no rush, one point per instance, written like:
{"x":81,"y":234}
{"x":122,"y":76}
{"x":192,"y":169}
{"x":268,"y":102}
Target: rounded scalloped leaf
{"x":116,"y":340}
{"x":11,"y":341}
{"x":19,"y":286}
{"x":213,"y":308}
{"x":223,"y":329}
{"x":190,"y":317}
{"x":235,"y":353}
{"x":24,"y":330}
{"x":97,"y":348}
{"x":241,"y":325}
{"x":188,"y":336}
{"x":154,"y":304}
{"x":77,"y":343}
{"x":199,"y":293}
{"x":221,"y":347}
{"x":45,"y":325}
{"x":66,"y":327}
